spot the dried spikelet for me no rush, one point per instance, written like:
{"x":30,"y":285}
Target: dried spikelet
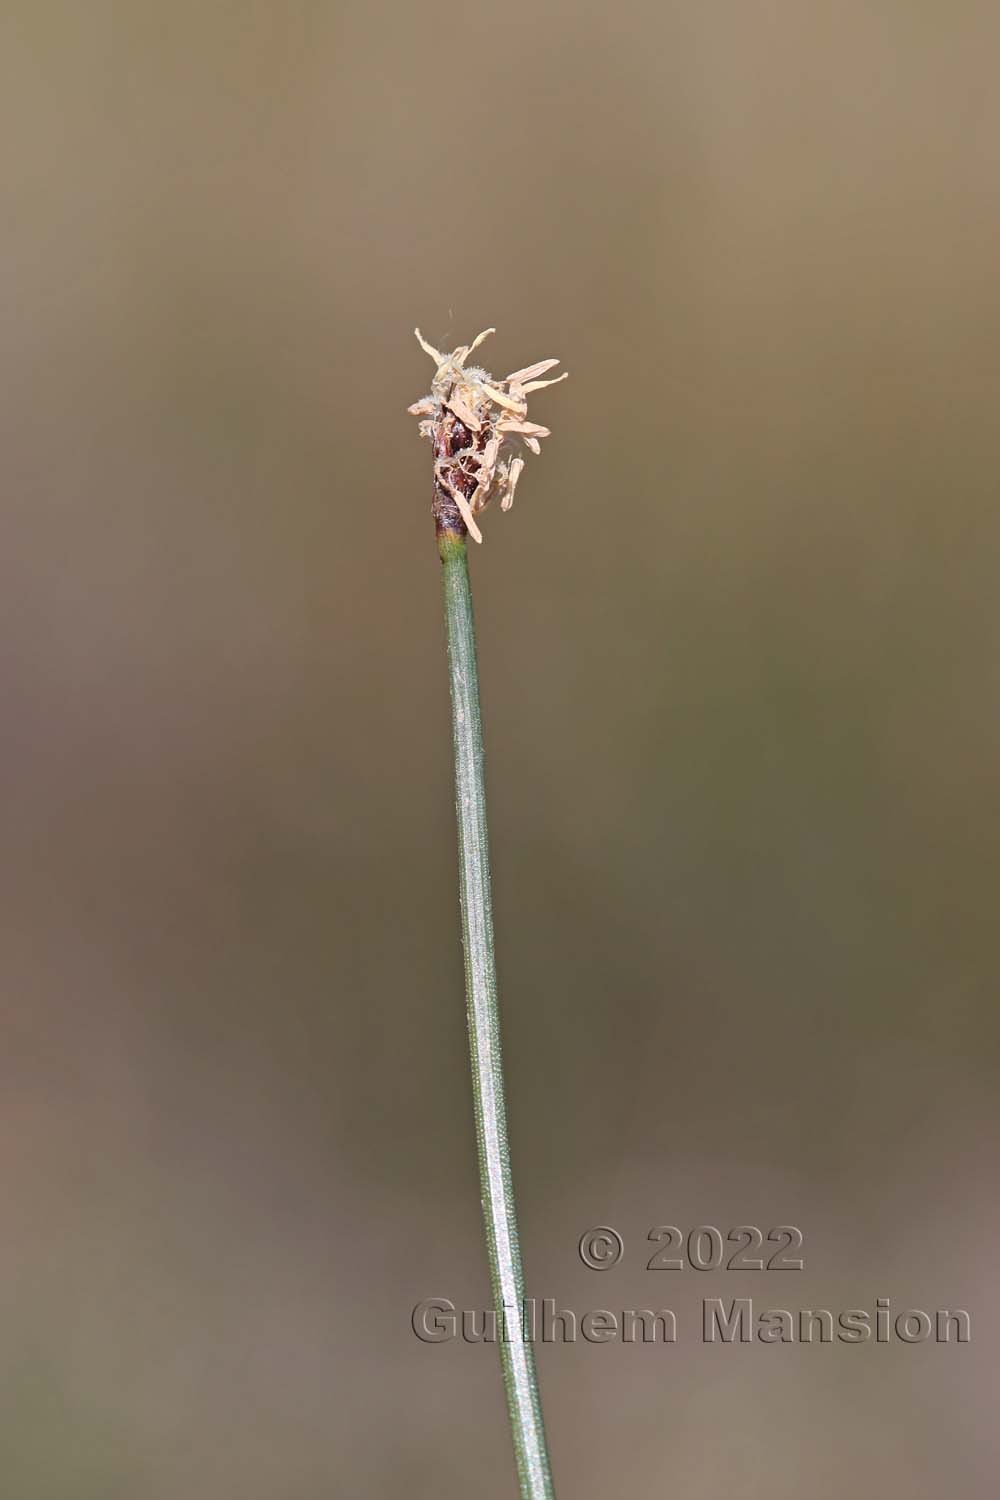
{"x":473,"y":422}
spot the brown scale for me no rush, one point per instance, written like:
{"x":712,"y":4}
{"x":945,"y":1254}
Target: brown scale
{"x":452,"y":437}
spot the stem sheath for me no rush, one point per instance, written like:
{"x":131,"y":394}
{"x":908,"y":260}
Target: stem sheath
{"x":502,"y":1245}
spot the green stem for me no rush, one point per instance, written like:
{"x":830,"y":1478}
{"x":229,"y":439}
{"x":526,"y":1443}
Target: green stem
{"x":503,"y":1249}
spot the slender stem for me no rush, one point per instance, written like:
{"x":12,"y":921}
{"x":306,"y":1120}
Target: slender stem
{"x":497,"y":1189}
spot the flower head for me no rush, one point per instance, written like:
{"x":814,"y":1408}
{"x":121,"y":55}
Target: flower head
{"x":476,"y":425}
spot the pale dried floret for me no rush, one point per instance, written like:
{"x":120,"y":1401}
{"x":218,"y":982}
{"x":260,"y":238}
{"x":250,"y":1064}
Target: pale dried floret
{"x":473,"y":420}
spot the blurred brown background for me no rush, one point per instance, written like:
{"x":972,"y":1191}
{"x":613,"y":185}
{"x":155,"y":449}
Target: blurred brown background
{"x":739,"y":650}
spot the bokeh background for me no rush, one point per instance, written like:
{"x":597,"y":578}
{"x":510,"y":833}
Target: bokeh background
{"x":739,"y":652}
